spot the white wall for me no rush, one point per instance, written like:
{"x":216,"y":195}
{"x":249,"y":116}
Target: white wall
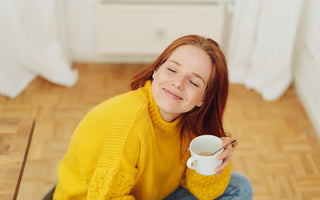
{"x":307,"y":61}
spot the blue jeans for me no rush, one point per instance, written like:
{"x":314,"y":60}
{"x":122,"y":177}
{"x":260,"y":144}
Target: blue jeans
{"x":239,"y":188}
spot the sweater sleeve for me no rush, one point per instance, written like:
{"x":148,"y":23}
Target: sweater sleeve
{"x":115,"y":173}
{"x":206,"y":187}
{"x":108,"y":151}
{"x":114,"y":183}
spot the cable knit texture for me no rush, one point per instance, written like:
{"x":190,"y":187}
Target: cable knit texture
{"x":207,"y":187}
{"x":124,"y":150}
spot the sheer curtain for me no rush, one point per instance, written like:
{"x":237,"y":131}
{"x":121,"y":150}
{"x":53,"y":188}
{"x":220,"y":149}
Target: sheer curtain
{"x":261,"y":45}
{"x":32,"y":44}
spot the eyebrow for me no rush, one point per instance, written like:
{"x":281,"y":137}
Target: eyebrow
{"x":195,"y":74}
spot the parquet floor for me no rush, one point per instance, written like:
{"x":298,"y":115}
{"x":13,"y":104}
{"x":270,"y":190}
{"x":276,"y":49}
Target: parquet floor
{"x":278,"y":149}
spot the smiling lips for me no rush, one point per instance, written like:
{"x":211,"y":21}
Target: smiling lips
{"x":172,"y":95}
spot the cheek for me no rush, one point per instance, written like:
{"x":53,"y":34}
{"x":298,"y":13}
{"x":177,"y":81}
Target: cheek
{"x":196,"y":97}
{"x":157,"y":76}
{"x":162,"y":77}
{"x":199,"y":101}
{"x":201,"y":96}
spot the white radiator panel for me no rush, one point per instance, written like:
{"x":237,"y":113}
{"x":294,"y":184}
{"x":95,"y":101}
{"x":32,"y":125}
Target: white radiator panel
{"x":146,"y":29}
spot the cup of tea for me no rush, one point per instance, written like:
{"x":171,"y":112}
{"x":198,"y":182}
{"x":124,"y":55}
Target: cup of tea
{"x":201,"y":159}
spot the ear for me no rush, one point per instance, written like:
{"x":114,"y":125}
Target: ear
{"x":153,"y":74}
{"x":200,"y":103}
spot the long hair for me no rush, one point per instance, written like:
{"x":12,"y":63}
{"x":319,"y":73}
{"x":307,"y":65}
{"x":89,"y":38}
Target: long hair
{"x":206,"y":119}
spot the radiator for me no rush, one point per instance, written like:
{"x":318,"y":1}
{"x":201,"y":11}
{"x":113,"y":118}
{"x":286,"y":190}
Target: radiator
{"x":142,"y":29}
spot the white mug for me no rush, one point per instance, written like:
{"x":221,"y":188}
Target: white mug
{"x":204,"y":164}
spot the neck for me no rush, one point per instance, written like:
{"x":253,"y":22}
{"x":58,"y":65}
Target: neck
{"x":168,"y":117}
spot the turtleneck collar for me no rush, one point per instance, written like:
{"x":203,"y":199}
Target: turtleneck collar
{"x":155,"y":114}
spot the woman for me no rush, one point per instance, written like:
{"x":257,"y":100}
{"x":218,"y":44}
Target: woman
{"x":134,"y":146}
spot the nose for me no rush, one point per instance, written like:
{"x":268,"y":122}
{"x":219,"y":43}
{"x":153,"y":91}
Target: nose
{"x":178,"y":83}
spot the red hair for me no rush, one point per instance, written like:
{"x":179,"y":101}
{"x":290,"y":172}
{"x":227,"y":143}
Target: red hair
{"x":206,"y":119}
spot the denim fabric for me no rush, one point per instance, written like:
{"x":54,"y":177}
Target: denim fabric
{"x":239,"y":188}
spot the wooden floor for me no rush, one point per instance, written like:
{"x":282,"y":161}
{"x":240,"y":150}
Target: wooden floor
{"x":278,"y":149}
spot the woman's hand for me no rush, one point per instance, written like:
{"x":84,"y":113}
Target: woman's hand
{"x":225,"y":155}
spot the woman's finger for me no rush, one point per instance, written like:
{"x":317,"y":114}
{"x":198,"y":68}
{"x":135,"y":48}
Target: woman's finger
{"x":226,"y":140}
{"x":225,"y":155}
{"x":225,"y":163}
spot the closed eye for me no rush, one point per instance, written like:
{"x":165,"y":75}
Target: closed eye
{"x":193,"y":83}
{"x":171,"y":70}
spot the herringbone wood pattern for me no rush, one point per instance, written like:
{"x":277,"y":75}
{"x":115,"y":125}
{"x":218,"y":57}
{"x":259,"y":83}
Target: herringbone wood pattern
{"x":278,"y":149}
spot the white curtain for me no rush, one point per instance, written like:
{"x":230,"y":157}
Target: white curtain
{"x":32,"y":43}
{"x":261,"y":45}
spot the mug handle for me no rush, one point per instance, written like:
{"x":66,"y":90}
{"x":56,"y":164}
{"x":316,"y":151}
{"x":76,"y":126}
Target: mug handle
{"x":190,"y":161}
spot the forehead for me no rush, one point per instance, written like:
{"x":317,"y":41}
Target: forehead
{"x":193,"y":59}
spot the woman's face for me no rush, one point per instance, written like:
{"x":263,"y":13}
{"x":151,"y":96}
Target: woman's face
{"x":179,"y":84}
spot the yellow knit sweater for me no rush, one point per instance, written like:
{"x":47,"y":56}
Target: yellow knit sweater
{"x":123,"y":149}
